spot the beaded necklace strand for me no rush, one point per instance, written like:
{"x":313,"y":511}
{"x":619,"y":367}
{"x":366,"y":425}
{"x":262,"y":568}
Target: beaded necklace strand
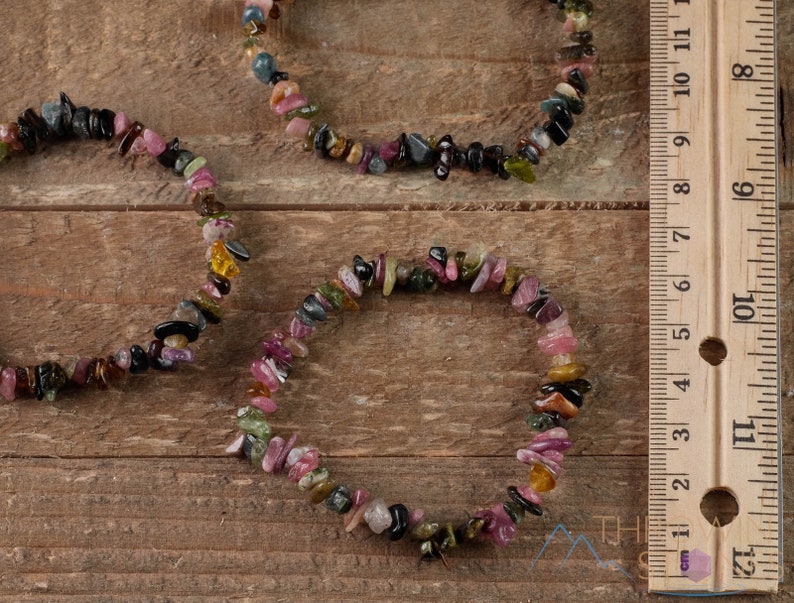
{"x":576,"y":61}
{"x":479,"y":270}
{"x":63,"y":120}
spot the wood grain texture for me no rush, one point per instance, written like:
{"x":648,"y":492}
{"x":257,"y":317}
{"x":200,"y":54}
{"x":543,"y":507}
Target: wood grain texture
{"x":126,"y":494}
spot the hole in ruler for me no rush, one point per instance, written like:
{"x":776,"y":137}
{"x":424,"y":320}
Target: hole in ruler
{"x":719,"y":506}
{"x":713,"y":350}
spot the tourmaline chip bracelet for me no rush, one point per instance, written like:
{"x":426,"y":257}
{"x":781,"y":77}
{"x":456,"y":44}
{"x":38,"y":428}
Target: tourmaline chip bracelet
{"x":560,"y":397}
{"x":576,"y":59}
{"x":170,"y":344}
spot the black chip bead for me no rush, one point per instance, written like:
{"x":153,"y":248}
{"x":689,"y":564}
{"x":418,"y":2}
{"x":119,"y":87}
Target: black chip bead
{"x":460,"y":158}
{"x":514,"y":511}
{"x":305,"y":317}
{"x":575,"y":52}
{"x":560,"y":3}
{"x":530,"y":153}
{"x":416,"y":280}
{"x":568,"y":392}
{"x":183,"y":158}
{"x":139,"y":363}
{"x":575,"y":105}
{"x":580,"y":385}
{"x":439,"y":253}
{"x":153,"y":354}
{"x":560,"y":114}
{"x":525,"y":504}
{"x":93,"y":124}
{"x":106,"y":124}
{"x":135,"y":130}
{"x":399,"y":522}
{"x":320,"y":138}
{"x":419,"y":150}
{"x":177,"y":327}
{"x":536,"y":305}
{"x":581,"y":37}
{"x":556,"y":132}
{"x":428,"y":550}
{"x":403,"y":155}
{"x":38,"y":123}
{"x":446,"y":155}
{"x":223,"y":284}
{"x":313,"y":307}
{"x":67,"y":111}
{"x":27,"y":135}
{"x":501,"y":171}
{"x":363,"y":269}
{"x":238,"y":250}
{"x":474,"y":156}
{"x":278,"y":76}
{"x":38,"y":391}
{"x":80,"y":122}
{"x":491,"y":156}
{"x":577,"y":79}
{"x":248,"y":444}
{"x":168,"y":157}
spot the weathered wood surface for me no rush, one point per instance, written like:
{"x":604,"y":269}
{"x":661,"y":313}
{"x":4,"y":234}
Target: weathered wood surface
{"x":127,"y":495}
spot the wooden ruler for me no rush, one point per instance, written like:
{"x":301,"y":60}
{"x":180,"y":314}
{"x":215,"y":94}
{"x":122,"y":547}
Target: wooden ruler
{"x":714,"y":483}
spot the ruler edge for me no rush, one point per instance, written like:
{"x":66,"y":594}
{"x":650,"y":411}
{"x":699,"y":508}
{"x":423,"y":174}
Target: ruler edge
{"x":654,"y":4}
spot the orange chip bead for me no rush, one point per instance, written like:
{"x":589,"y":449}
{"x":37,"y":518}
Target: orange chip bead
{"x":281,"y":90}
{"x":222,"y":261}
{"x":567,"y":372}
{"x":556,"y":402}
{"x":541,"y":479}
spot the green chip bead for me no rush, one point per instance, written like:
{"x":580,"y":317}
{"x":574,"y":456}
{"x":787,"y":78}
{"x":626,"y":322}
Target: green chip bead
{"x":305,"y":112}
{"x":252,"y":420}
{"x":222,"y":215}
{"x":4,"y":150}
{"x":424,"y":530}
{"x":258,"y":450}
{"x":520,"y":168}
{"x":334,"y":296}
{"x":312,"y":478}
{"x":194,"y":165}
{"x":540,"y":422}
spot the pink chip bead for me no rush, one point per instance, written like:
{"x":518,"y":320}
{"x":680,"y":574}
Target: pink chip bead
{"x":350,"y":281}
{"x":389,"y":150}
{"x":264,"y":5}
{"x":265,"y":374}
{"x":530,"y":494}
{"x":308,"y":462}
{"x":484,"y":274}
{"x":299,"y":329}
{"x":123,"y":358}
{"x":498,"y":527}
{"x":556,"y":342}
{"x":551,"y":434}
{"x":525,"y":294}
{"x":121,"y":124}
{"x":360,"y":496}
{"x":290,"y":103}
{"x":298,"y":127}
{"x":556,"y":444}
{"x":554,"y":455}
{"x":212,"y":290}
{"x":178,"y":354}
{"x":274,"y":448}
{"x":138,"y":146}
{"x":559,"y":322}
{"x":218,"y":229}
{"x":80,"y":374}
{"x":200,"y":179}
{"x":497,"y":275}
{"x":437,"y":268}
{"x":264,"y":404}
{"x":154,"y":142}
{"x":8,"y":384}
{"x":451,"y":269}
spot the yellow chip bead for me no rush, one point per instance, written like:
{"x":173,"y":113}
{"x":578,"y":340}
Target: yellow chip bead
{"x":541,"y":479}
{"x":567,"y":372}
{"x":222,"y":261}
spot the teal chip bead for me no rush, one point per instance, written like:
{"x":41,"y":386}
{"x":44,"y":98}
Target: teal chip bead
{"x":252,"y":420}
{"x":264,"y":66}
{"x":520,"y":168}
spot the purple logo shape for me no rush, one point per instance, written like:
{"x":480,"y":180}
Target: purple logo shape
{"x":695,"y":564}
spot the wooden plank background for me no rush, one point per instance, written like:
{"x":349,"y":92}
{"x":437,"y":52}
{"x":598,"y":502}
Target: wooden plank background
{"x":127,"y":495}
